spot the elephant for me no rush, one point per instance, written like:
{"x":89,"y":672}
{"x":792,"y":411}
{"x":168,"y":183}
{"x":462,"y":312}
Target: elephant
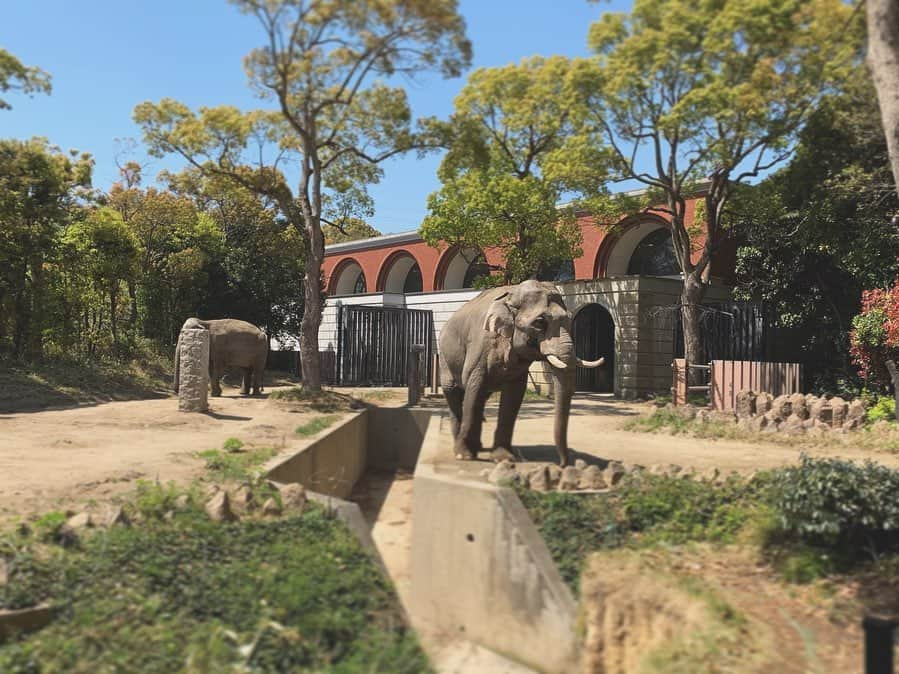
{"x":232,"y":343}
{"x":488,"y":345}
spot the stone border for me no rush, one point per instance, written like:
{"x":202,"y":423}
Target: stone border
{"x":25,"y":620}
{"x":480,"y":569}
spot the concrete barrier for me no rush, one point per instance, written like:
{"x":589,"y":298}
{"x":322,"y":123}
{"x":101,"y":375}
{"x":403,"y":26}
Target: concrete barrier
{"x":480,"y":569}
{"x":395,"y":436}
{"x":332,"y":463}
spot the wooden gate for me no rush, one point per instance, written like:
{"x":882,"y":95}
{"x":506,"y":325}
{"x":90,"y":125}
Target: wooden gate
{"x":373,"y":344}
{"x":728,"y":377}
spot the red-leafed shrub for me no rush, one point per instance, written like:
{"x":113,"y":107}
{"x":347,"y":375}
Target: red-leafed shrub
{"x":874,"y":337}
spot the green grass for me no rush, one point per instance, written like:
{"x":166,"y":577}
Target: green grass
{"x":320,"y":401}
{"x":316,"y":425}
{"x":224,"y":465}
{"x":232,"y":445}
{"x":191,"y":596}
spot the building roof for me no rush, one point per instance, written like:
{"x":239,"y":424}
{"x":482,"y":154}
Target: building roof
{"x":374,"y":242}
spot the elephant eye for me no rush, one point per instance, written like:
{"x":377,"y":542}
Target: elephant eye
{"x":539,"y":324}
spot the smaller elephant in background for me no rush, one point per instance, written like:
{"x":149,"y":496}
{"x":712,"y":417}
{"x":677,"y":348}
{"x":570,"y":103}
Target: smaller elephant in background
{"x":232,"y":343}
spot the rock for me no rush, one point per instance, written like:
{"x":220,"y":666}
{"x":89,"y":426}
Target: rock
{"x":580,"y":464}
{"x":554,"y":473}
{"x":182,"y":503}
{"x":881,"y":427}
{"x":688,"y":411}
{"x":799,"y":406}
{"x":763,"y":402}
{"x":219,"y":508}
{"x":665,"y":469}
{"x":485,"y":473}
{"x":758,"y":424}
{"x":538,"y":479}
{"x":819,"y":410}
{"x":702,"y":416}
{"x":592,"y":478}
{"x":744,"y":405}
{"x":571,"y":477}
{"x":808,"y":423}
{"x":839,"y":409}
{"x":782,"y":406}
{"x":4,"y":572}
{"x":503,"y":473}
{"x":271,"y":508}
{"x":80,"y":521}
{"x":293,"y":495}
{"x":855,"y":415}
{"x":113,"y":516}
{"x":211,"y":490}
{"x":243,"y":498}
{"x":722,"y":417}
{"x":629,"y":467}
{"x":615,"y":471}
{"x":793,"y":425}
{"x":772,"y":422}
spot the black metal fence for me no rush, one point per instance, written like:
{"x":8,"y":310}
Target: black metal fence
{"x":373,"y":344}
{"x":732,"y":331}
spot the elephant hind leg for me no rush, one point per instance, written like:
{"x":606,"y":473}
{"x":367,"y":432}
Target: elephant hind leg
{"x":454,"y":397}
{"x":215,"y":378}
{"x":258,"y":374}
{"x":245,"y":384}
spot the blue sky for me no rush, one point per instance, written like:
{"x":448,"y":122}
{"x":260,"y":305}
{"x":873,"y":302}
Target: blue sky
{"x":107,"y":56}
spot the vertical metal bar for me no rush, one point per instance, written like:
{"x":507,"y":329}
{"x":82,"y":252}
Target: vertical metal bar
{"x":878,"y":645}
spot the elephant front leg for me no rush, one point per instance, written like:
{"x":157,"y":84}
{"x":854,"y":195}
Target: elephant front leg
{"x":454,"y":397}
{"x":468,"y":441}
{"x":509,"y":404}
{"x":245,"y":384}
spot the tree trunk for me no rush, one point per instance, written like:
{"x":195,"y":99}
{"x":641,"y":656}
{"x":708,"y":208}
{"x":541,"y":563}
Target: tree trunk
{"x":691,"y":298}
{"x":312,"y":311}
{"x":113,"y":308}
{"x":132,"y":317}
{"x":894,"y":375}
{"x":35,"y":338}
{"x":883,"y":61}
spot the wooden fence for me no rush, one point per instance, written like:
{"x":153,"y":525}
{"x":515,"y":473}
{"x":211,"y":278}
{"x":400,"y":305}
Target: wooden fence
{"x":726,"y":378}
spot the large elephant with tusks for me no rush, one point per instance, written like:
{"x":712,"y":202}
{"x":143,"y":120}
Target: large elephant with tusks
{"x":232,"y":343}
{"x":489,"y":344}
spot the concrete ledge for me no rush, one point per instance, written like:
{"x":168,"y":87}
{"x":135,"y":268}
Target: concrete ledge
{"x":480,"y":569}
{"x":332,"y":463}
{"x":25,"y":620}
{"x":395,"y":436}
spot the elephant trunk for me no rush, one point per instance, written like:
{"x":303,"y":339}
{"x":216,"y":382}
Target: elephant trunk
{"x":559,"y":351}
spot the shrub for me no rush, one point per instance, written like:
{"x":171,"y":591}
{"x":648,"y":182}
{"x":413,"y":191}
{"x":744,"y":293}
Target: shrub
{"x":235,"y":465}
{"x":874,"y":338}
{"x":848,"y":507}
{"x":232,"y":445}
{"x":883,"y":409}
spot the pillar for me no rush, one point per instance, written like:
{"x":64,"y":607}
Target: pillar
{"x":193,"y":389}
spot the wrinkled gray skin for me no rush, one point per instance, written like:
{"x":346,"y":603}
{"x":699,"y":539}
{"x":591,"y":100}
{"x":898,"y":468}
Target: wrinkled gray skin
{"x":488,"y":346}
{"x":232,"y":343}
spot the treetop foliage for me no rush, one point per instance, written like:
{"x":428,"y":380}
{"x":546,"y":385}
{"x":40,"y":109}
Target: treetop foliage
{"x":14,"y":76}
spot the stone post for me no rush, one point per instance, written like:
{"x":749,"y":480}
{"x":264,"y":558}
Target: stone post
{"x":193,"y":389}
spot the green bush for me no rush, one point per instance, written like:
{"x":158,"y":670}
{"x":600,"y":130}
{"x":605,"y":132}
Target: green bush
{"x":233,"y":445}
{"x":850,"y":508}
{"x":237,"y":465}
{"x":884,"y":408}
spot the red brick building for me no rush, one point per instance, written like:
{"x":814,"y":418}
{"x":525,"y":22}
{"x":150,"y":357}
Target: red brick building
{"x":622,"y":272}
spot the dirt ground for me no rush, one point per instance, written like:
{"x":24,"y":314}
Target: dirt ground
{"x":63,"y":458}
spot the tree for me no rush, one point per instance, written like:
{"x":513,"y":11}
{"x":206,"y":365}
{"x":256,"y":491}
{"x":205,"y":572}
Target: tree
{"x":319,"y":65}
{"x":105,"y":251}
{"x":883,"y":60}
{"x":817,"y":232}
{"x":697,"y":96}
{"x":40,"y":188}
{"x":17,"y":77}
{"x":353,"y":230}
{"x":509,"y":164}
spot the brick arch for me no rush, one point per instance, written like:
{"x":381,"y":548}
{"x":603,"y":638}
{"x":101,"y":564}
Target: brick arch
{"x":388,"y":264}
{"x":338,"y":271}
{"x":604,"y":254}
{"x":443,"y":264}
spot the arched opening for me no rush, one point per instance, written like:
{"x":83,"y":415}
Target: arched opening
{"x":349,"y":280}
{"x":400,"y":274}
{"x":594,"y":337}
{"x":558,"y":272}
{"x":643,"y":248}
{"x":654,"y":256}
{"x":464,"y":267}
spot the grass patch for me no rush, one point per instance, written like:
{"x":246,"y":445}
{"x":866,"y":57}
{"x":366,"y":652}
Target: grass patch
{"x":320,"y":401}
{"x":316,"y":425}
{"x":65,"y":382}
{"x":224,"y":465}
{"x":189,"y":595}
{"x":232,"y":445}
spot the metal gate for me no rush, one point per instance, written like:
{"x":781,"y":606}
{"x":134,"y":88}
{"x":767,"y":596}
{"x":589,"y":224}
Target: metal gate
{"x":373,"y":344}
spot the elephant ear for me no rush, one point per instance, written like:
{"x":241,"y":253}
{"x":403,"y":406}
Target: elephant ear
{"x":500,"y":318}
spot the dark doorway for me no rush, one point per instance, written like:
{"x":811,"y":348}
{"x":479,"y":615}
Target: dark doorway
{"x":594,"y":336}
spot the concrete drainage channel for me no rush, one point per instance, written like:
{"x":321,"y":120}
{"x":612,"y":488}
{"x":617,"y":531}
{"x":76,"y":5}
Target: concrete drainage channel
{"x":471,"y":570}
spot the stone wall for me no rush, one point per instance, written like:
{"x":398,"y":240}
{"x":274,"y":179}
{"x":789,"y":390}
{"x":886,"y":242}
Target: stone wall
{"x":797,"y":414}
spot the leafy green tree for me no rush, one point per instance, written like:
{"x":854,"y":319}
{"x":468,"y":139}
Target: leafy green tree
{"x":510,"y":163}
{"x":710,"y":93}
{"x":258,"y":277}
{"x":40,"y":190}
{"x":818,"y":232}
{"x":105,"y":250}
{"x":320,"y":65}
{"x":14,"y":76}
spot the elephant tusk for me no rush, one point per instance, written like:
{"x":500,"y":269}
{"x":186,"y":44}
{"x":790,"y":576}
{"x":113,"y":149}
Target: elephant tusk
{"x":556,"y":362}
{"x":590,"y":363}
